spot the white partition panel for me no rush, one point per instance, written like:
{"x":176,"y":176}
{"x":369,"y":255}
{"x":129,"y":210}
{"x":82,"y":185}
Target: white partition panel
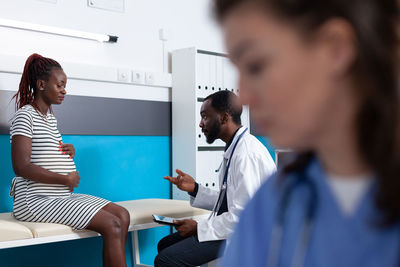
{"x":195,"y":75}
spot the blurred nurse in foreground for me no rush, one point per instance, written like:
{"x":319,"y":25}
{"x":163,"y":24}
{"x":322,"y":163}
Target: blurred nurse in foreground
{"x":320,"y":78}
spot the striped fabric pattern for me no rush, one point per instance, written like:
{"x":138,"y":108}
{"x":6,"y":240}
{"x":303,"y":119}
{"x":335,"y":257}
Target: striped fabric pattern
{"x":50,"y":203}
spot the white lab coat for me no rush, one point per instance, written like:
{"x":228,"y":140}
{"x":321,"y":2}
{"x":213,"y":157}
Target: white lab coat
{"x":251,"y":165}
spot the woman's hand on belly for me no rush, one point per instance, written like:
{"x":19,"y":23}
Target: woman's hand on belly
{"x":73,"y":180}
{"x":67,"y":149}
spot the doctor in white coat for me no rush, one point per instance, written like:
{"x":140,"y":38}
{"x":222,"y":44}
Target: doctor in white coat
{"x":246,"y":163}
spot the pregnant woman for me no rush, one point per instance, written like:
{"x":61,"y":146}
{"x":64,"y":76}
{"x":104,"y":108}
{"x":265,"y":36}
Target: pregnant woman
{"x":45,"y":169}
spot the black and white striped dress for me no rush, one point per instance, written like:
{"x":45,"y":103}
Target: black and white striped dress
{"x":50,"y":203}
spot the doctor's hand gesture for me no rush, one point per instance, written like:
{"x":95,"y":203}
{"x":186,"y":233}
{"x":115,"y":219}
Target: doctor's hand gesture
{"x":183,"y":181}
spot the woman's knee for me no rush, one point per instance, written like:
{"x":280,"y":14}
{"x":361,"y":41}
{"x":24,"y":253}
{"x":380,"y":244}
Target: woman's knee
{"x":112,"y":226}
{"x":120,"y":212}
{"x":125,"y":216}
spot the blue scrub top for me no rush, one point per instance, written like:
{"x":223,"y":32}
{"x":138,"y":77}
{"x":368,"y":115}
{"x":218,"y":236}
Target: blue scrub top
{"x":337,"y":240}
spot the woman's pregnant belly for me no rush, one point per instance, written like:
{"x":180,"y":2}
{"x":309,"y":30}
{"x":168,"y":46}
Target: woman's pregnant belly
{"x":46,"y":154}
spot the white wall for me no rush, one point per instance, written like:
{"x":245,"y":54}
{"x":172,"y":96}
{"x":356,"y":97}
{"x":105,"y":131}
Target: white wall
{"x":188,"y":22}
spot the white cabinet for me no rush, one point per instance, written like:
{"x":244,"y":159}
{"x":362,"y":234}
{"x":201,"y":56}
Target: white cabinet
{"x":195,"y":75}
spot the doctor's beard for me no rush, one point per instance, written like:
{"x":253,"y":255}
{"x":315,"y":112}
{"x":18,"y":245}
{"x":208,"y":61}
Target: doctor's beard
{"x":214,"y":132}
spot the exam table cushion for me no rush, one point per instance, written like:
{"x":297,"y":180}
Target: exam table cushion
{"x":11,"y":229}
{"x":140,"y":213}
{"x":142,"y":209}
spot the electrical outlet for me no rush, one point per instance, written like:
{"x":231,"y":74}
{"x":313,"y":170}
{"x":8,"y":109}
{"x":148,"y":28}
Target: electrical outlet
{"x":149,"y":78}
{"x":138,"y":76}
{"x":123,"y":75}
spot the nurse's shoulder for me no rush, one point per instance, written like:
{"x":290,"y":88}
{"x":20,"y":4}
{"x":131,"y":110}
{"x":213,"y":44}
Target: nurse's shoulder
{"x":250,"y":241}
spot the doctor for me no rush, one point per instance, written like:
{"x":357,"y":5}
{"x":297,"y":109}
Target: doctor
{"x":246,"y":163}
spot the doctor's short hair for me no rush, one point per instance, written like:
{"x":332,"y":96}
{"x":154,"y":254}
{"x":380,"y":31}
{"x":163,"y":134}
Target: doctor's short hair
{"x":226,"y":101}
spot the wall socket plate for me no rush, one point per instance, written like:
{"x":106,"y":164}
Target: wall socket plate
{"x":150,"y":77}
{"x":138,"y":77}
{"x":123,"y":75}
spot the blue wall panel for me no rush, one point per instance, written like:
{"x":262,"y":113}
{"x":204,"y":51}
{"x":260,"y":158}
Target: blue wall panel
{"x":6,"y":173}
{"x":114,"y":167}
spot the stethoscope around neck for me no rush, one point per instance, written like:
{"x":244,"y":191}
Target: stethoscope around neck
{"x":303,"y":241}
{"x":224,"y":181}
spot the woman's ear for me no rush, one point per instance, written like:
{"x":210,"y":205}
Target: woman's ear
{"x":40,"y":85}
{"x":338,"y":38}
